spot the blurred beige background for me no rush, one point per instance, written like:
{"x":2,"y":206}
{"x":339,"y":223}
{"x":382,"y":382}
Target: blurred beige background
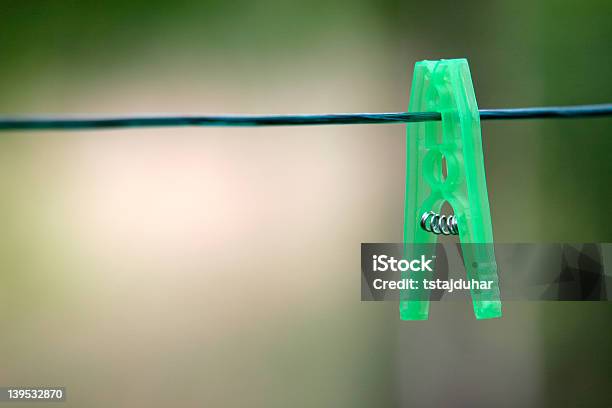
{"x":220,"y":267}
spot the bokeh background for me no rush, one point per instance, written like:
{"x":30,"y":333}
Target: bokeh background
{"x":220,"y":267}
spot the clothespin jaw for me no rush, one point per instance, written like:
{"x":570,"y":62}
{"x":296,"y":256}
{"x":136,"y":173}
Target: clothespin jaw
{"x":445,"y":86}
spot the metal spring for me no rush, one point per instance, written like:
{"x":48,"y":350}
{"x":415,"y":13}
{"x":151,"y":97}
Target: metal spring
{"x":439,"y":224}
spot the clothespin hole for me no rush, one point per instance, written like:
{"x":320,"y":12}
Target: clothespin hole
{"x":444,"y":168}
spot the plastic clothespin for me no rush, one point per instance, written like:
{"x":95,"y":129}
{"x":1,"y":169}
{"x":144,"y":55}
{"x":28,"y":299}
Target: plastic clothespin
{"x":445,"y":86}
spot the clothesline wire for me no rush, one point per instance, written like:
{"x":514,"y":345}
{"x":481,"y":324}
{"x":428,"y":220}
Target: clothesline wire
{"x":92,"y":123}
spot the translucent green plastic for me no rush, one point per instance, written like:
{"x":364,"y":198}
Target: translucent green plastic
{"x":445,"y":86}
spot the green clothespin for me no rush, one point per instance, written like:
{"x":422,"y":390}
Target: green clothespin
{"x":445,"y":86}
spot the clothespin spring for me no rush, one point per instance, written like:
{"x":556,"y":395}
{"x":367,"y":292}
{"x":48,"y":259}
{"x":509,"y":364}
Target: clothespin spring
{"x":439,"y":224}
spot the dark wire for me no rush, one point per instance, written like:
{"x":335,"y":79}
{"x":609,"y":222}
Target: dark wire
{"x":75,"y":123}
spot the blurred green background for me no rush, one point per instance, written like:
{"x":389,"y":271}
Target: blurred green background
{"x":220,"y":267}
